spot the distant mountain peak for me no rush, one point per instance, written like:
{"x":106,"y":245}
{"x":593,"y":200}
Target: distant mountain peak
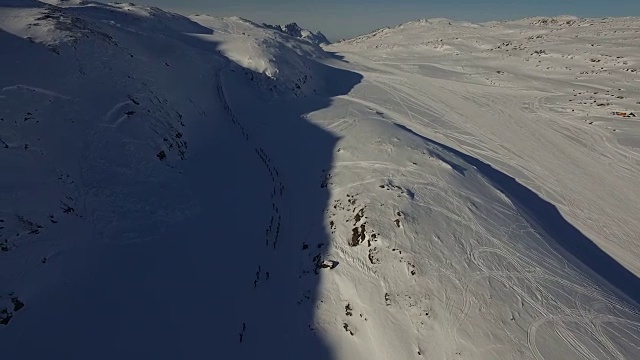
{"x":293,"y":29}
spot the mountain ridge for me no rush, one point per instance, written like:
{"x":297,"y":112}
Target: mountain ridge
{"x":293,"y":29}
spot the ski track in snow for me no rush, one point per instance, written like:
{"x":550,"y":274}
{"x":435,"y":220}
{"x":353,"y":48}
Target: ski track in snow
{"x":34,"y":90}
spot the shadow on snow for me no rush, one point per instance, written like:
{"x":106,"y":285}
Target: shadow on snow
{"x":214,"y":284}
{"x":545,"y":216}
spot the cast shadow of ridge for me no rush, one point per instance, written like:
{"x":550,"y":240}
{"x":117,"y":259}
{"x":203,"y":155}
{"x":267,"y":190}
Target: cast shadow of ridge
{"x":213,"y":285}
{"x":303,"y":153}
{"x":270,"y":279}
{"x":269,"y":306}
{"x":546,"y":216}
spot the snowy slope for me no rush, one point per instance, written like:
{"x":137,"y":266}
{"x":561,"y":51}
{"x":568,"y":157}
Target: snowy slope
{"x":208,"y":187}
{"x":141,"y":218}
{"x":527,"y":246}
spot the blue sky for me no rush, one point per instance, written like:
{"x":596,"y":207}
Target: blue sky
{"x":348,"y":18}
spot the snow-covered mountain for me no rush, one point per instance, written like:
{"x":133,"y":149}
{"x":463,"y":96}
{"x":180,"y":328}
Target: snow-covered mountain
{"x":295,"y":30}
{"x":197,"y":187}
{"x":158,"y":183}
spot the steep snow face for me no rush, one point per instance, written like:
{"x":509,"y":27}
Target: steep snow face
{"x":208,"y":187}
{"x":295,"y":30}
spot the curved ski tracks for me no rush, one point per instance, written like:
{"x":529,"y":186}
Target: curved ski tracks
{"x":540,"y":270}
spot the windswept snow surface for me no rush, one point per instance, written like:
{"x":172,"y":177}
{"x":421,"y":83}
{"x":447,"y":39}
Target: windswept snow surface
{"x":207,"y":187}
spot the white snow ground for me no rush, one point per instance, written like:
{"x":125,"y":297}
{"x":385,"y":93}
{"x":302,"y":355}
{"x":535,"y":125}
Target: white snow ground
{"x":205,"y":187}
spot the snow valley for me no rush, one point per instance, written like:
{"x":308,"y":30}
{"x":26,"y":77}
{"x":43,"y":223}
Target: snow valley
{"x":206,"y":187}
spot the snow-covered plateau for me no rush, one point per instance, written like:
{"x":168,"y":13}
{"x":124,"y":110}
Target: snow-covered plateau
{"x":201,"y":187}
